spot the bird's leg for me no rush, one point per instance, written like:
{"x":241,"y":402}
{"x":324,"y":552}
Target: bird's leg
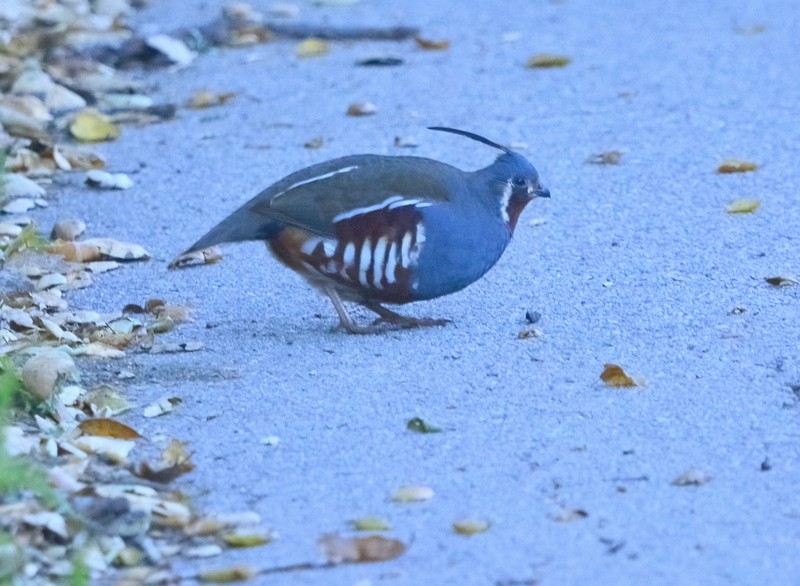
{"x":392,"y":317}
{"x":344,"y":318}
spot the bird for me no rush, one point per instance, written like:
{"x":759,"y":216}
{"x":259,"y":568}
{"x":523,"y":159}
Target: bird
{"x":377,"y":229}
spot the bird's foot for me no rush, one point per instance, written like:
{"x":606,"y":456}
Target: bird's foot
{"x":407,"y":323}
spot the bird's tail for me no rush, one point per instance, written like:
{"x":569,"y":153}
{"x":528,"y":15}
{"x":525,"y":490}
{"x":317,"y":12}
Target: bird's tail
{"x":243,"y":224}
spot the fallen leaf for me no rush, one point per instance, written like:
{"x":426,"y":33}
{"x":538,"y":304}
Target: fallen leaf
{"x":48,"y":520}
{"x":315,"y":143}
{"x":161,"y":407}
{"x":421,"y":426}
{"x":570,"y":515}
{"x":17,"y":185}
{"x":105,"y":427}
{"x":614,"y":376}
{"x":94,"y":249}
{"x":547,"y":60}
{"x":606,"y":158}
{"x":162,"y":475}
{"x":105,"y":180}
{"x":692,"y":477}
{"x":41,"y":372}
{"x":92,"y":126}
{"x":412,"y":494}
{"x":431,"y":45}
{"x":247,"y":539}
{"x":380,"y":62}
{"x":529,"y":334}
{"x":311,"y":48}
{"x":207,"y":256}
{"x":743,"y":206}
{"x":116,"y":450}
{"x":68,"y":229}
{"x":207,"y":550}
{"x":173,"y":49}
{"x":471,"y":526}
{"x":228,"y":575}
{"x":405,"y":142}
{"x":781,"y":281}
{"x":362,"y":109}
{"x":370,"y":524}
{"x":338,"y":549}
{"x":176,"y":453}
{"x":736,"y":166}
{"x":208,"y":99}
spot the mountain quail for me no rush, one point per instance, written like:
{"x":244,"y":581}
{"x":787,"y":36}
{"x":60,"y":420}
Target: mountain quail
{"x":376,"y":229}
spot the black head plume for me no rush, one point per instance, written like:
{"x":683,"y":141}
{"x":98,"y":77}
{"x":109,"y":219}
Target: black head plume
{"x":473,"y":136}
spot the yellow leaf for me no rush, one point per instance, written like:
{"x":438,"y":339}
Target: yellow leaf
{"x":614,"y":376}
{"x":547,"y":60}
{"x":735,"y":166}
{"x":412,"y":494}
{"x":92,"y":126}
{"x":247,"y":539}
{"x":743,"y":206}
{"x":370,"y":524}
{"x":311,"y":48}
{"x":105,"y":427}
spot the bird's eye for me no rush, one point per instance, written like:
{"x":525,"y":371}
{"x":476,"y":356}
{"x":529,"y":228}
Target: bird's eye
{"x":519,"y":181}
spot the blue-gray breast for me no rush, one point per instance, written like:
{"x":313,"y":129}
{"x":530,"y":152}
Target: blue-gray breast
{"x":376,"y":229}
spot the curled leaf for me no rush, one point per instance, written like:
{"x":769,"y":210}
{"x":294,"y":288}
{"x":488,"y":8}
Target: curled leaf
{"x":362,"y":109}
{"x":412,"y":494}
{"x":162,"y":475}
{"x":614,"y":376}
{"x":736,"y":166}
{"x":105,"y":427}
{"x":547,"y":61}
{"x":207,"y":99}
{"x":781,"y":281}
{"x":228,"y":575}
{"x":92,"y":126}
{"x":743,"y":206}
{"x":432,"y":45}
{"x":311,"y":48}
{"x":471,"y":526}
{"x":692,"y":477}
{"x":370,"y":524}
{"x":375,"y":548}
{"x":606,"y":158}
{"x":419,"y":425}
{"x":247,"y":539}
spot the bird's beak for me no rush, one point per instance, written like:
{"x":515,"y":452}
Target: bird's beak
{"x":543,"y":192}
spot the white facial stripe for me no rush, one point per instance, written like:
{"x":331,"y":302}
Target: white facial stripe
{"x":317,"y":178}
{"x":364,"y":261}
{"x":391,"y":264}
{"x":504,"y":201}
{"x":379,"y":254}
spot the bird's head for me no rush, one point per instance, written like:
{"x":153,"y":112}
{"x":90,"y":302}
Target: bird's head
{"x":512,"y":180}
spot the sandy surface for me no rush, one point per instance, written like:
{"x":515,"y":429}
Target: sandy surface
{"x":636,"y":264}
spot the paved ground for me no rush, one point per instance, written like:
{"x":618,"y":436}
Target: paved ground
{"x":636,"y":264}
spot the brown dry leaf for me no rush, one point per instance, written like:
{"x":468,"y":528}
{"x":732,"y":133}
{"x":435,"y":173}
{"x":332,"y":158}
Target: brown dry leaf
{"x":605,"y":158}
{"x":228,"y":575}
{"x":162,"y":475}
{"x":100,"y":249}
{"x":781,"y":281}
{"x":362,"y":109}
{"x":161,"y":407}
{"x":311,"y":48}
{"x":547,"y":61}
{"x":247,"y":539}
{"x":207,"y":256}
{"x":692,"y":477}
{"x":315,"y":143}
{"x":375,"y":548}
{"x":176,"y":453}
{"x":412,"y":494}
{"x":743,"y":206}
{"x":105,"y":427}
{"x":208,"y":99}
{"x":81,"y":158}
{"x":471,"y":526}
{"x":431,"y":45}
{"x":41,"y":372}
{"x":736,"y":166}
{"x":614,"y":376}
{"x":92,"y":126}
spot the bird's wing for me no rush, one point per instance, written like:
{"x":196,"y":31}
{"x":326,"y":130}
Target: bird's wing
{"x":317,"y":197}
